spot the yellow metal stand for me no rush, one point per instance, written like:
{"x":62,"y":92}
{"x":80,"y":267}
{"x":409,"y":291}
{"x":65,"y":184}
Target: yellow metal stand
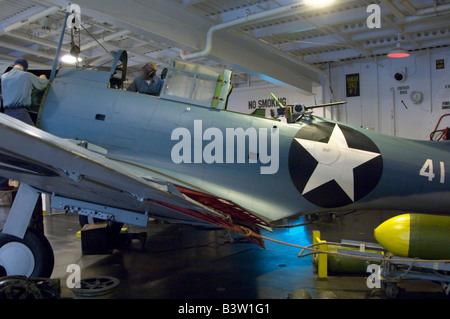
{"x":321,"y":260}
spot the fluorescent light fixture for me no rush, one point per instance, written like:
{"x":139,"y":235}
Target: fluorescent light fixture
{"x":70,"y":59}
{"x":318,"y":3}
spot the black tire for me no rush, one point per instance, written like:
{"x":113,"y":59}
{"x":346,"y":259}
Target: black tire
{"x":34,"y":247}
{"x":18,"y":287}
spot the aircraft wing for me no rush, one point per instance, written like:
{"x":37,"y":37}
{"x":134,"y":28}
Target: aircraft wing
{"x":82,"y":178}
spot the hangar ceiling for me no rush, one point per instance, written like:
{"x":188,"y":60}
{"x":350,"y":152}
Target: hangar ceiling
{"x":280,"y":41}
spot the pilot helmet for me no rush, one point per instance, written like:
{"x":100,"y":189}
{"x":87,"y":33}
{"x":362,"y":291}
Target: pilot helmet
{"x":149,"y":69}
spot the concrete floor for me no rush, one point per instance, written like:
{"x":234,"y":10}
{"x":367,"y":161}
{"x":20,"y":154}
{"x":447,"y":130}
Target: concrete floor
{"x":182,"y":262}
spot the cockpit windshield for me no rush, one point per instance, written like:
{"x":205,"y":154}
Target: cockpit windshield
{"x":197,"y":84}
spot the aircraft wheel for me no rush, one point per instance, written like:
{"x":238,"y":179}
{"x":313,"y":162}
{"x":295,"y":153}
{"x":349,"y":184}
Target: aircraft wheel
{"x":96,"y":287}
{"x":31,"y":256}
{"x":18,"y":287}
{"x":391,"y":290}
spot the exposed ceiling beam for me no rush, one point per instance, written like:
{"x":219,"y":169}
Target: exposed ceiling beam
{"x":34,"y":39}
{"x":192,"y":2}
{"x":178,"y":25}
{"x":31,"y":62}
{"x":30,"y":19}
{"x":25,"y":50}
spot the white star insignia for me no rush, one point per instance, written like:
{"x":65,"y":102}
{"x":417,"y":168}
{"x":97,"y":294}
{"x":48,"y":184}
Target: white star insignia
{"x":336,"y":161}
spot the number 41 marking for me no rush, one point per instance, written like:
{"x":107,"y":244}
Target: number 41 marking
{"x":427,"y":171}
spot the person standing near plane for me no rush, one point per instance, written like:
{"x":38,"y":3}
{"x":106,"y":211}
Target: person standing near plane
{"x":17,"y":85}
{"x":148,"y":82}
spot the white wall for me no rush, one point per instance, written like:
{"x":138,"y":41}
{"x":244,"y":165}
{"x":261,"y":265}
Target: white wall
{"x":243,"y":99}
{"x":379,"y":106}
{"x":387,"y":105}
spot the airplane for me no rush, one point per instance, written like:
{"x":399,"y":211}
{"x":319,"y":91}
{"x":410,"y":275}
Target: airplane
{"x":183,"y":157}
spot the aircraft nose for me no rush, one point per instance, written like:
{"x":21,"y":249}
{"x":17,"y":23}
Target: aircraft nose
{"x":394,"y":235}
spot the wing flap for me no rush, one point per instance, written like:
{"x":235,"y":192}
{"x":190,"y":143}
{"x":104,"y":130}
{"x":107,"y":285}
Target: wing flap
{"x":237,"y":213}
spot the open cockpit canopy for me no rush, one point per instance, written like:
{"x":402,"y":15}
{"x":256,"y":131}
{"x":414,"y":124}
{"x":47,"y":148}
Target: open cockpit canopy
{"x":197,"y":84}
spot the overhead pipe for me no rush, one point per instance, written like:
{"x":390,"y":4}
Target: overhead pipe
{"x":280,"y":11}
{"x":237,"y":22}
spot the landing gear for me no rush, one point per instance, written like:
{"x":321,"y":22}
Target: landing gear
{"x":391,"y":290}
{"x":24,"y":251}
{"x":31,"y":256}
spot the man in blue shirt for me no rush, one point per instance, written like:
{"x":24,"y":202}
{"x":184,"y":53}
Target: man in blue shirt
{"x":17,"y":85}
{"x":148,"y":82}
